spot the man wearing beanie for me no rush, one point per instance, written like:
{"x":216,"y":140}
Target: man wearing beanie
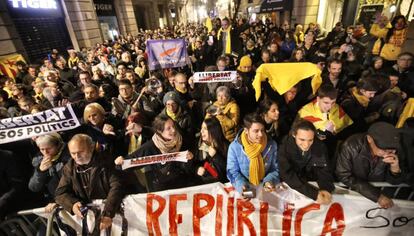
{"x":371,"y":157}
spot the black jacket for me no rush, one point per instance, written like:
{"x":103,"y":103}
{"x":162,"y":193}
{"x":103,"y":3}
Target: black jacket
{"x":356,"y":167}
{"x":47,"y":181}
{"x":161,"y":177}
{"x":218,"y":163}
{"x":297,"y":167}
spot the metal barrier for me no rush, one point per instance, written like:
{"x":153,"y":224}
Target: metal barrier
{"x":401,"y":191}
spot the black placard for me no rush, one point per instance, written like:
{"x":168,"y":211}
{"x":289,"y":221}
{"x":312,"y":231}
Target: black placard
{"x":276,"y":5}
{"x":368,"y":13}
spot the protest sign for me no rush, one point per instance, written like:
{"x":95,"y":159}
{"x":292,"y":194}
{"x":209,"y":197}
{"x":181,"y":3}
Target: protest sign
{"x":215,"y":209}
{"x":44,"y":122}
{"x":215,"y":76}
{"x":168,"y":53}
{"x":161,"y":158}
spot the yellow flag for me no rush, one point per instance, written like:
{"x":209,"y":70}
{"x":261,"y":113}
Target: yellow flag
{"x":283,"y":76}
{"x":8,"y":64}
{"x":407,"y":112}
{"x":209,"y":25}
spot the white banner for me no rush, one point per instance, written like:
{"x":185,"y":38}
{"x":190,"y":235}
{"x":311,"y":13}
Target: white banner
{"x":214,"y":76}
{"x":27,"y":126}
{"x":215,"y":209}
{"x":161,"y":158}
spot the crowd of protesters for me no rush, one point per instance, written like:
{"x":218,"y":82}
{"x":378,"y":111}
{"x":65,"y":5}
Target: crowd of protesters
{"x":345,"y":132}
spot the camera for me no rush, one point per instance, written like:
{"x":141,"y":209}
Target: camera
{"x":212,"y":110}
{"x":153,"y":84}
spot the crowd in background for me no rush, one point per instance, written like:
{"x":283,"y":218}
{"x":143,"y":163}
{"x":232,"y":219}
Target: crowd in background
{"x":345,"y":132}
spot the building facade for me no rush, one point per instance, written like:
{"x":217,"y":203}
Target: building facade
{"x":33,"y":27}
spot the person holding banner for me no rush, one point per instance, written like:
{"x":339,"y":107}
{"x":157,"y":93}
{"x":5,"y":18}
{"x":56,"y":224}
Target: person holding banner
{"x":166,"y":139}
{"x":303,"y":158}
{"x":252,"y":158}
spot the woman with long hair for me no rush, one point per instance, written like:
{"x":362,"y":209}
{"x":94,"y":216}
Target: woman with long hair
{"x":170,"y":175}
{"x":269,"y":111}
{"x":211,"y":158}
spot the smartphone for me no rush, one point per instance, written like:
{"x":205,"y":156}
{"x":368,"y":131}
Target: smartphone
{"x":210,"y":38}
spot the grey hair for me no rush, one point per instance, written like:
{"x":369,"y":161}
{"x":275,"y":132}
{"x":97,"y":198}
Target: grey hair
{"x":225,"y":90}
{"x":83,"y":138}
{"x":53,"y":139}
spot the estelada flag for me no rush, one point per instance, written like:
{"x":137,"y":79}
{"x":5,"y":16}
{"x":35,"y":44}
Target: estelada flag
{"x":8,"y":64}
{"x":336,"y":115}
{"x":168,"y":53}
{"x":283,"y":76}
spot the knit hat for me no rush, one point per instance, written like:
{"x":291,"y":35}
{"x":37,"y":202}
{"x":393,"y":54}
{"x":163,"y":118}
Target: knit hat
{"x":172,"y":95}
{"x":244,"y":61}
{"x":385,"y":135}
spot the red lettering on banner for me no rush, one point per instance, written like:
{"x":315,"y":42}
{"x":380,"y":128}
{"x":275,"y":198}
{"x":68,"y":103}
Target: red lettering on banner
{"x":219,"y":214}
{"x":299,"y":216}
{"x":230,"y":216}
{"x":336,"y":213}
{"x":264,"y":208}
{"x":243,"y":216}
{"x":287,"y":219}
{"x":152,"y":216}
{"x":199,"y":212}
{"x":175,"y":218}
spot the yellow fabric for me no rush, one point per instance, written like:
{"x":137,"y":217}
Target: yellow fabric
{"x":337,"y":115}
{"x":360,"y":98}
{"x":254,"y":153}
{"x":181,"y":90}
{"x":55,"y":157}
{"x":392,"y":48}
{"x":244,"y":61}
{"x":134,"y":143}
{"x":378,"y":32}
{"x":283,"y":76}
{"x":172,"y":115}
{"x":407,"y":112}
{"x":209,"y":25}
{"x":228,"y":39}
{"x":229,"y":119}
{"x":8,"y":92}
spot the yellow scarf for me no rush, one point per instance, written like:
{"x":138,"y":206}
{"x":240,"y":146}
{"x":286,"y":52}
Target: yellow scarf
{"x":254,"y":153}
{"x":407,"y":112}
{"x":172,"y":115}
{"x":228,"y":39}
{"x":55,"y":157}
{"x":182,"y":90}
{"x":134,"y":143}
{"x":360,"y":98}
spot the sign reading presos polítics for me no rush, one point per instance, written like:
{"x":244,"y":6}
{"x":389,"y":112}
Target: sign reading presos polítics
{"x":214,"y":76}
{"x":161,"y":158}
{"x":27,"y":126}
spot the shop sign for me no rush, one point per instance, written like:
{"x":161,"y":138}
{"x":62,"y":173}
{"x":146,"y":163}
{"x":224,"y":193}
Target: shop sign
{"x":34,"y":4}
{"x":104,"y":7}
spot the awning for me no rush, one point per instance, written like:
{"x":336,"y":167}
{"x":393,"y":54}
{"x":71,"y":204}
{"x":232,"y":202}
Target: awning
{"x":276,"y":5}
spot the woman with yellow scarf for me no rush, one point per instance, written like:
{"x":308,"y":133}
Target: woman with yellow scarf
{"x":252,"y":157}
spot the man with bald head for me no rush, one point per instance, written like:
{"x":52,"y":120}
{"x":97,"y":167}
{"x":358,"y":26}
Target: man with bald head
{"x":88,"y":176}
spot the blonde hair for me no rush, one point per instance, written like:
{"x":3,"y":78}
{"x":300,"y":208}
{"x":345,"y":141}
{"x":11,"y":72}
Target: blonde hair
{"x":90,"y":108}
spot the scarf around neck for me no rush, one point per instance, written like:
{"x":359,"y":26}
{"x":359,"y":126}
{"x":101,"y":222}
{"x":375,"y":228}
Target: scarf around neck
{"x":254,"y":153}
{"x":170,"y":146}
